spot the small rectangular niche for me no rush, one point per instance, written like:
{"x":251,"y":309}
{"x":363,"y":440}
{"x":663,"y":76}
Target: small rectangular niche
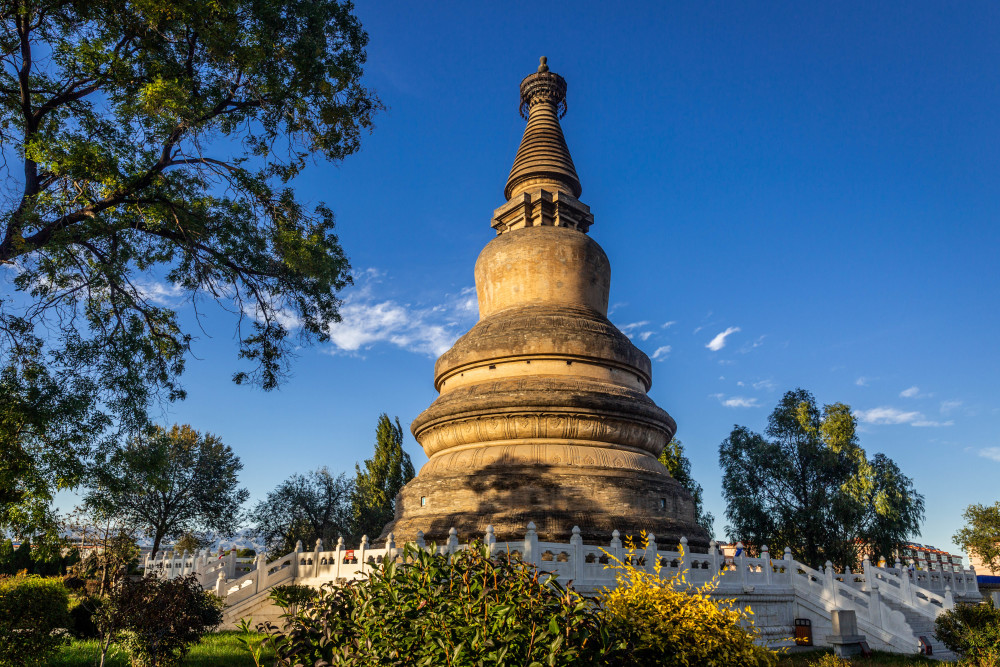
{"x":423,"y":501}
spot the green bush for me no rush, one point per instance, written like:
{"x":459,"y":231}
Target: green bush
{"x":476,"y":609}
{"x":972,"y":630}
{"x":81,"y":612}
{"x":33,"y":613}
{"x":156,"y":621}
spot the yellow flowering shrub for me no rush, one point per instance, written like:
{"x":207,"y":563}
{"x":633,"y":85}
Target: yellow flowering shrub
{"x":665,"y":621}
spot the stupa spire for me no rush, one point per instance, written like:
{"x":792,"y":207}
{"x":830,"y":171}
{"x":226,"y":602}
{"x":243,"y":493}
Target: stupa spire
{"x":543,"y":174}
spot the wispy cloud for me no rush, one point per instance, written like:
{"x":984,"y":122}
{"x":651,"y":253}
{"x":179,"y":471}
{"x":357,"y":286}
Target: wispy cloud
{"x":888,"y":415}
{"x":719,"y":341}
{"x":661,"y":353}
{"x":862,"y":381}
{"x":632,"y":330}
{"x":168,"y":295}
{"x":992,"y":453}
{"x":751,"y":345}
{"x":912,"y":392}
{"x":737,"y":401}
{"x":764,"y":385}
{"x":667,"y":325}
{"x":947,"y":407}
{"x":368,"y":320}
{"x":644,"y":335}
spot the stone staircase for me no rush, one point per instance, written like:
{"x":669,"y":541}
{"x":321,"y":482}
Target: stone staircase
{"x":922,"y":626}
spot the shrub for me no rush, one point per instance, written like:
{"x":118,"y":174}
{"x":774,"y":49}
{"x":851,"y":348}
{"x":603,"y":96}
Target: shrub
{"x":426,"y":610}
{"x":972,"y":630}
{"x":156,"y":621}
{"x":82,"y":609}
{"x":33,"y":610}
{"x":662,"y":620}
{"x":290,"y":596}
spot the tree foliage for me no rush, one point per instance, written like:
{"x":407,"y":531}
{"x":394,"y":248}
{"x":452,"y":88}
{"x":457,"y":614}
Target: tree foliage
{"x":679,"y":466}
{"x":373,"y":501}
{"x":307,"y":507}
{"x":149,"y":149}
{"x":808,"y":485}
{"x":172,"y":482}
{"x":981,"y":534}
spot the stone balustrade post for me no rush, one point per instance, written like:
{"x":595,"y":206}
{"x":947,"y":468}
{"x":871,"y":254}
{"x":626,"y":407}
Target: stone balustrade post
{"x":765,"y":559}
{"x":297,"y":559}
{"x":651,"y":555}
{"x":491,"y":539}
{"x":421,"y":542}
{"x":875,"y":605}
{"x":740,"y":562}
{"x":231,"y":564}
{"x":905,"y":587}
{"x":576,"y":554}
{"x":317,"y":551}
{"x":452,"y":541}
{"x":339,"y":556}
{"x":390,"y":546}
{"x":713,"y":553}
{"x":261,"y":572}
{"x":220,"y":585}
{"x":949,"y":599}
{"x":866,"y":567}
{"x":616,"y":545}
{"x":531,"y":544}
{"x":828,"y":581}
{"x":363,"y":548}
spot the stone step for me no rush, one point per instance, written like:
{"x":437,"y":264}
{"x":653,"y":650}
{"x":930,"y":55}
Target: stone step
{"x":921,"y":626}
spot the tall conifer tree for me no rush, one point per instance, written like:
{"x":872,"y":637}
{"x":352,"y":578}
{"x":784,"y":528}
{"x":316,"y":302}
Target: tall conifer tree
{"x":375,"y":489}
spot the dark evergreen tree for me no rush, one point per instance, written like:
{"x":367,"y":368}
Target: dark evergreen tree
{"x":679,"y":466}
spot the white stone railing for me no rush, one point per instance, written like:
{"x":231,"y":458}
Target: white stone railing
{"x":237,"y":580}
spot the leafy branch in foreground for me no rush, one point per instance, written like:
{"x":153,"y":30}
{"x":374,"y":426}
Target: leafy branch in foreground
{"x":149,"y":149}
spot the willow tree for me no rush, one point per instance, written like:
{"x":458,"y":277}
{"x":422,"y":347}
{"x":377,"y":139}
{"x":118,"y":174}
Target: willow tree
{"x":149,"y":147}
{"x":807,"y":484}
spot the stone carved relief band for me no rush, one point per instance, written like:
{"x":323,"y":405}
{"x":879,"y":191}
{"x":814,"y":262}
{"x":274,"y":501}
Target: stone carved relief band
{"x":597,"y":429}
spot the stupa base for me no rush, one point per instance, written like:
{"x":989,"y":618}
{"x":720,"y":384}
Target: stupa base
{"x":556,"y":498}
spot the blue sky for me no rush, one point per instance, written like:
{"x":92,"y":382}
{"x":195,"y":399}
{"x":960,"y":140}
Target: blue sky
{"x":820,"y":180}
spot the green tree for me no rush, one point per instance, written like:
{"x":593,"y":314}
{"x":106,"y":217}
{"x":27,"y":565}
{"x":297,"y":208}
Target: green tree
{"x":981,"y":534}
{"x":679,"y":466}
{"x":172,"y":482}
{"x":155,"y":144}
{"x":808,"y":485}
{"x":307,"y":507}
{"x":373,"y":503}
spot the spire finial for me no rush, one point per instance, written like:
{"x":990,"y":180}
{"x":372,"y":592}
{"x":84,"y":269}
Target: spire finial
{"x":543,"y":153}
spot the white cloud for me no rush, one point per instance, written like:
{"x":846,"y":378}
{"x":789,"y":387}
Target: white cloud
{"x":737,"y":401}
{"x":644,"y":335}
{"x":667,"y":325}
{"x":746,"y":347}
{"x":992,"y":453}
{"x":367,"y":320}
{"x":634,"y":325}
{"x":861,"y":381}
{"x":661,"y":353}
{"x":912,"y":392}
{"x":947,"y":407}
{"x":168,"y":295}
{"x":889,"y":415}
{"x":766,"y":385}
{"x":719,"y":341}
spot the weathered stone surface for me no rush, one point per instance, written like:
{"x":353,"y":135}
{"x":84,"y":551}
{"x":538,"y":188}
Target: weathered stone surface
{"x":543,"y":415}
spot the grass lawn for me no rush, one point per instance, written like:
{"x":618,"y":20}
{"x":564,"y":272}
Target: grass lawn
{"x":224,"y":649}
{"x":805,"y":658}
{"x":215,"y":650}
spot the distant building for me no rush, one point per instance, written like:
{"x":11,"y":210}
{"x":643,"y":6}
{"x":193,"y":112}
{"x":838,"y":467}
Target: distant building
{"x":926,"y":557}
